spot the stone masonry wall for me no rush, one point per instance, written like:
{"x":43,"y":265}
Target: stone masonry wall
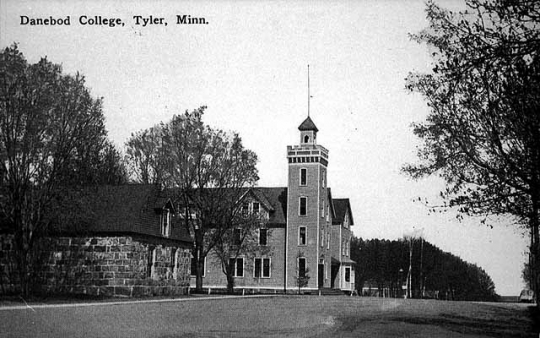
{"x":8,"y":272}
{"x":112,"y":266}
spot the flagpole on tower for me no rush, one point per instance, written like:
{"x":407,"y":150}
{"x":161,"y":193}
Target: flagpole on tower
{"x":308,"y":95}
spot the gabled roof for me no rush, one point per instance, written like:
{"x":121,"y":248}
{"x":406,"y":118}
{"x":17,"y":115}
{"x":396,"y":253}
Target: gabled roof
{"x":260,"y":197}
{"x":119,"y":209}
{"x":274,"y":200}
{"x":277,"y":199}
{"x":308,"y":125}
{"x":332,"y":208}
{"x":342,"y":206}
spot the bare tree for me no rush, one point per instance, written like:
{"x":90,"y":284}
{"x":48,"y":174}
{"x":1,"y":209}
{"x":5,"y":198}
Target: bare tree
{"x":239,"y":241}
{"x":302,"y":272}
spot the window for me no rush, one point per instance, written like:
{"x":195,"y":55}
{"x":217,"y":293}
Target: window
{"x":303,"y":206}
{"x":347,"y":275}
{"x":248,"y":208}
{"x":328,"y":213}
{"x":322,"y":209}
{"x":301,"y":267}
{"x":262,"y":268}
{"x":323,"y":179}
{"x":237,"y":238}
{"x":328,"y":240}
{"x":302,"y":236}
{"x":174,"y":262}
{"x":150,"y":260}
{"x":303,"y":176}
{"x":306,"y":139}
{"x":322,"y":238}
{"x":194,"y":266}
{"x":166,"y":223}
{"x":237,"y":266}
{"x":263,"y":236}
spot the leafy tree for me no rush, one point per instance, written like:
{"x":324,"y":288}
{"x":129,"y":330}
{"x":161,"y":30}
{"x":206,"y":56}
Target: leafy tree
{"x":482,"y":135}
{"x":145,"y":155}
{"x":206,"y":170}
{"x":52,"y":135}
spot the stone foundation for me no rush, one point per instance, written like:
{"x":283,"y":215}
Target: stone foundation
{"x":104,"y":266}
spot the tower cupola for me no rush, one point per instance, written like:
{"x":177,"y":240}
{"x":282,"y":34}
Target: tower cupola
{"x":308,"y":132}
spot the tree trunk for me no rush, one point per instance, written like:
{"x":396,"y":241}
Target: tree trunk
{"x":198,"y":255}
{"x":535,"y":245}
{"x":230,"y":284}
{"x":199,"y":273}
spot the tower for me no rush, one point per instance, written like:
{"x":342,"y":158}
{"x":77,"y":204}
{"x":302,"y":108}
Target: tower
{"x":307,"y":211}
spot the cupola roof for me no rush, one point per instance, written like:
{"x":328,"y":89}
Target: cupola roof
{"x":308,"y":125}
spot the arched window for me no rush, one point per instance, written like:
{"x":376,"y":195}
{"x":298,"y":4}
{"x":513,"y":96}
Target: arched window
{"x":306,"y":139}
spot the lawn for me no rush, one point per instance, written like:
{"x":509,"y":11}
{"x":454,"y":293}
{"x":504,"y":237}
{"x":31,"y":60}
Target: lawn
{"x":281,"y":316}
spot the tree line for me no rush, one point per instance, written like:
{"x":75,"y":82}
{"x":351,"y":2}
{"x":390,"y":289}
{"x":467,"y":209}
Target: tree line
{"x":384,"y":265}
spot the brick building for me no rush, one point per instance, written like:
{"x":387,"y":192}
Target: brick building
{"x":307,"y":232}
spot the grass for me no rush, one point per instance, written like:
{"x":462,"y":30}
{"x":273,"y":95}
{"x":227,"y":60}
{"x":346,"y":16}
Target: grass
{"x":280,"y":316}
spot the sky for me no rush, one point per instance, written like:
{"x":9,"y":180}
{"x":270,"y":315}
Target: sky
{"x":248,"y":65}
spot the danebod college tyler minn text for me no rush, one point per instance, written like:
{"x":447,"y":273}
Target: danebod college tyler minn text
{"x":98,"y":20}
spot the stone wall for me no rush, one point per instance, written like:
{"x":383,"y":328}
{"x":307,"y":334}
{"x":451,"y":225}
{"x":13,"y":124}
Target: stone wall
{"x":112,"y":266}
{"x":8,"y":272}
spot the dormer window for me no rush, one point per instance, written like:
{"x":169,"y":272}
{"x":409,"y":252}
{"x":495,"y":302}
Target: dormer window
{"x":251,"y":208}
{"x":166,"y":223}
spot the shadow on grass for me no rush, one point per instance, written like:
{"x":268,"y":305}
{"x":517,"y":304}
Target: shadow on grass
{"x":493,"y":322}
{"x":52,"y":299}
{"x":499,"y":322}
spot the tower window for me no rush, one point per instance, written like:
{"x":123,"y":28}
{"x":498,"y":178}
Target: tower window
{"x":306,"y":139}
{"x":302,"y":236}
{"x":303,"y":206}
{"x":301,"y":267}
{"x":303,"y":176}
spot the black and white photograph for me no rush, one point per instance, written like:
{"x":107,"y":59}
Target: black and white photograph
{"x":242,"y":168}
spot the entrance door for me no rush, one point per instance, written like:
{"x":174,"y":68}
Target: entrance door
{"x":321,"y":276}
{"x":335,"y":270}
